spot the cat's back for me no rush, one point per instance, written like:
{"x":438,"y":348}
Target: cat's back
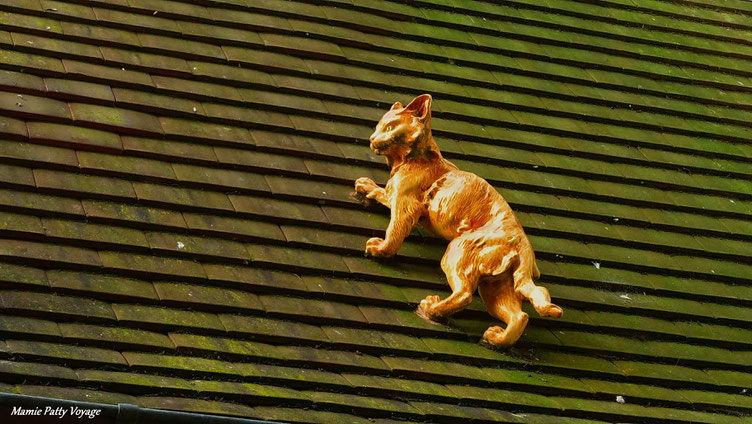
{"x":460,"y":201}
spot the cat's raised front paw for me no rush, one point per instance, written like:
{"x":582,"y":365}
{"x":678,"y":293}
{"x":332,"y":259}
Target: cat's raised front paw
{"x":377,"y":247}
{"x":365,"y":185}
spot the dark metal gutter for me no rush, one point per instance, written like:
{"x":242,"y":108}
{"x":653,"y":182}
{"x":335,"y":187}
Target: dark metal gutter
{"x":115,"y":414}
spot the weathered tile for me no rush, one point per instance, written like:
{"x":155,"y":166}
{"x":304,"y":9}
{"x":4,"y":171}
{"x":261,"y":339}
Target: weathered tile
{"x":177,"y":45}
{"x":82,"y":184}
{"x":182,"y":294}
{"x":198,"y":406}
{"x":317,"y":309}
{"x":205,"y":130}
{"x":369,"y":403}
{"x":68,"y":90}
{"x":233,"y":226}
{"x":117,"y":119}
{"x":77,"y":137}
{"x":11,"y":325}
{"x":221,"y":178}
{"x":52,"y":45}
{"x":182,"y":196}
{"x":115,"y":335}
{"x":13,"y":128}
{"x":295,"y":258}
{"x":35,"y":251}
{"x":263,"y":160}
{"x":274,"y":208}
{"x":87,"y":283}
{"x":66,"y":353}
{"x":260,"y":277}
{"x":139,"y":215}
{"x":12,"y":222}
{"x":90,"y":70}
{"x":161,"y":317}
{"x":156,"y":265}
{"x":34,"y":107}
{"x":168,"y":149}
{"x":157,"y":103}
{"x":23,"y":370}
{"x":133,"y":381}
{"x":57,"y":305}
{"x":20,"y":60}
{"x":272,"y":328}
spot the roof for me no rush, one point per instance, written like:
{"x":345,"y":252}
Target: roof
{"x":178,"y":230}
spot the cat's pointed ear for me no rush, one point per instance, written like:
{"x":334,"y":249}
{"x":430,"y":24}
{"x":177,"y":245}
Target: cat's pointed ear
{"x":397,"y":105}
{"x":420,"y":107}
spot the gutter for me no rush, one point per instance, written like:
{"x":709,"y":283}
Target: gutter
{"x":121,"y":413}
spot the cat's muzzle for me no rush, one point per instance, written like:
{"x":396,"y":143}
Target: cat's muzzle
{"x":380,"y":147}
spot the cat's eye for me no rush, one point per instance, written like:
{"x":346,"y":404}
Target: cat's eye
{"x":388,"y":128}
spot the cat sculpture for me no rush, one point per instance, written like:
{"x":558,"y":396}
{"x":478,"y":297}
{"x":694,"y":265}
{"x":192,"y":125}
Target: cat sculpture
{"x":488,"y":249}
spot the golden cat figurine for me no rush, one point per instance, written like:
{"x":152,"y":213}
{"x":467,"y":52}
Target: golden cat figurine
{"x":488,"y":248}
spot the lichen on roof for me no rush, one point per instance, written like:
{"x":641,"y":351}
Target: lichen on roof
{"x":178,"y":229}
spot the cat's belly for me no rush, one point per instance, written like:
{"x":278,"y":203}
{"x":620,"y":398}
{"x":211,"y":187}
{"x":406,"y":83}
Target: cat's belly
{"x":460,"y":201}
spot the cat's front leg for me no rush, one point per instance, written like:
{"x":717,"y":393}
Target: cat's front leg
{"x":405,"y":214}
{"x":371,"y":190}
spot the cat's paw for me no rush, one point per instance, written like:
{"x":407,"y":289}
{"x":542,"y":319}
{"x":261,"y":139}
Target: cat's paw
{"x":496,"y":337}
{"x":551,"y":310}
{"x":377,"y":247}
{"x":427,"y":306}
{"x":365,"y":185}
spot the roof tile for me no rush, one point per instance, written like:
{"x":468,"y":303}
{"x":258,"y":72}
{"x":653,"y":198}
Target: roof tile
{"x":19,"y":60}
{"x":34,"y":107}
{"x":92,"y":71}
{"x":22,"y":325}
{"x":17,"y":370}
{"x":157,"y":103}
{"x":196,"y":405}
{"x":254,"y":277}
{"x":136,"y":214}
{"x":161,"y":317}
{"x":117,"y":336}
{"x":168,"y":149}
{"x":151,"y":264}
{"x":59,"y":306}
{"x":268,"y":60}
{"x":67,"y":89}
{"x":82,"y":184}
{"x":145,"y":21}
{"x":125,"y":165}
{"x":205,"y":130}
{"x":117,"y":119}
{"x":70,"y":354}
{"x":56,"y":46}
{"x":76,"y":137}
{"x":182,"y":196}
{"x":272,"y":328}
{"x":280,"y":306}
{"x":209,"y":297}
{"x":188,"y":47}
{"x":93,"y":284}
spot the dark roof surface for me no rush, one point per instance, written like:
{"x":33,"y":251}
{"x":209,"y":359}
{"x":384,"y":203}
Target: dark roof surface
{"x":178,"y":230}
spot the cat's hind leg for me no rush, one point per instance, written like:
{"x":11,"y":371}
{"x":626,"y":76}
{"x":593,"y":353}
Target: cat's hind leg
{"x":538,"y":296}
{"x":504,"y":304}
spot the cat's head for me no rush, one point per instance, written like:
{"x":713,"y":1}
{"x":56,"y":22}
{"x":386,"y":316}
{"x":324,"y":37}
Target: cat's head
{"x":404,"y":131}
